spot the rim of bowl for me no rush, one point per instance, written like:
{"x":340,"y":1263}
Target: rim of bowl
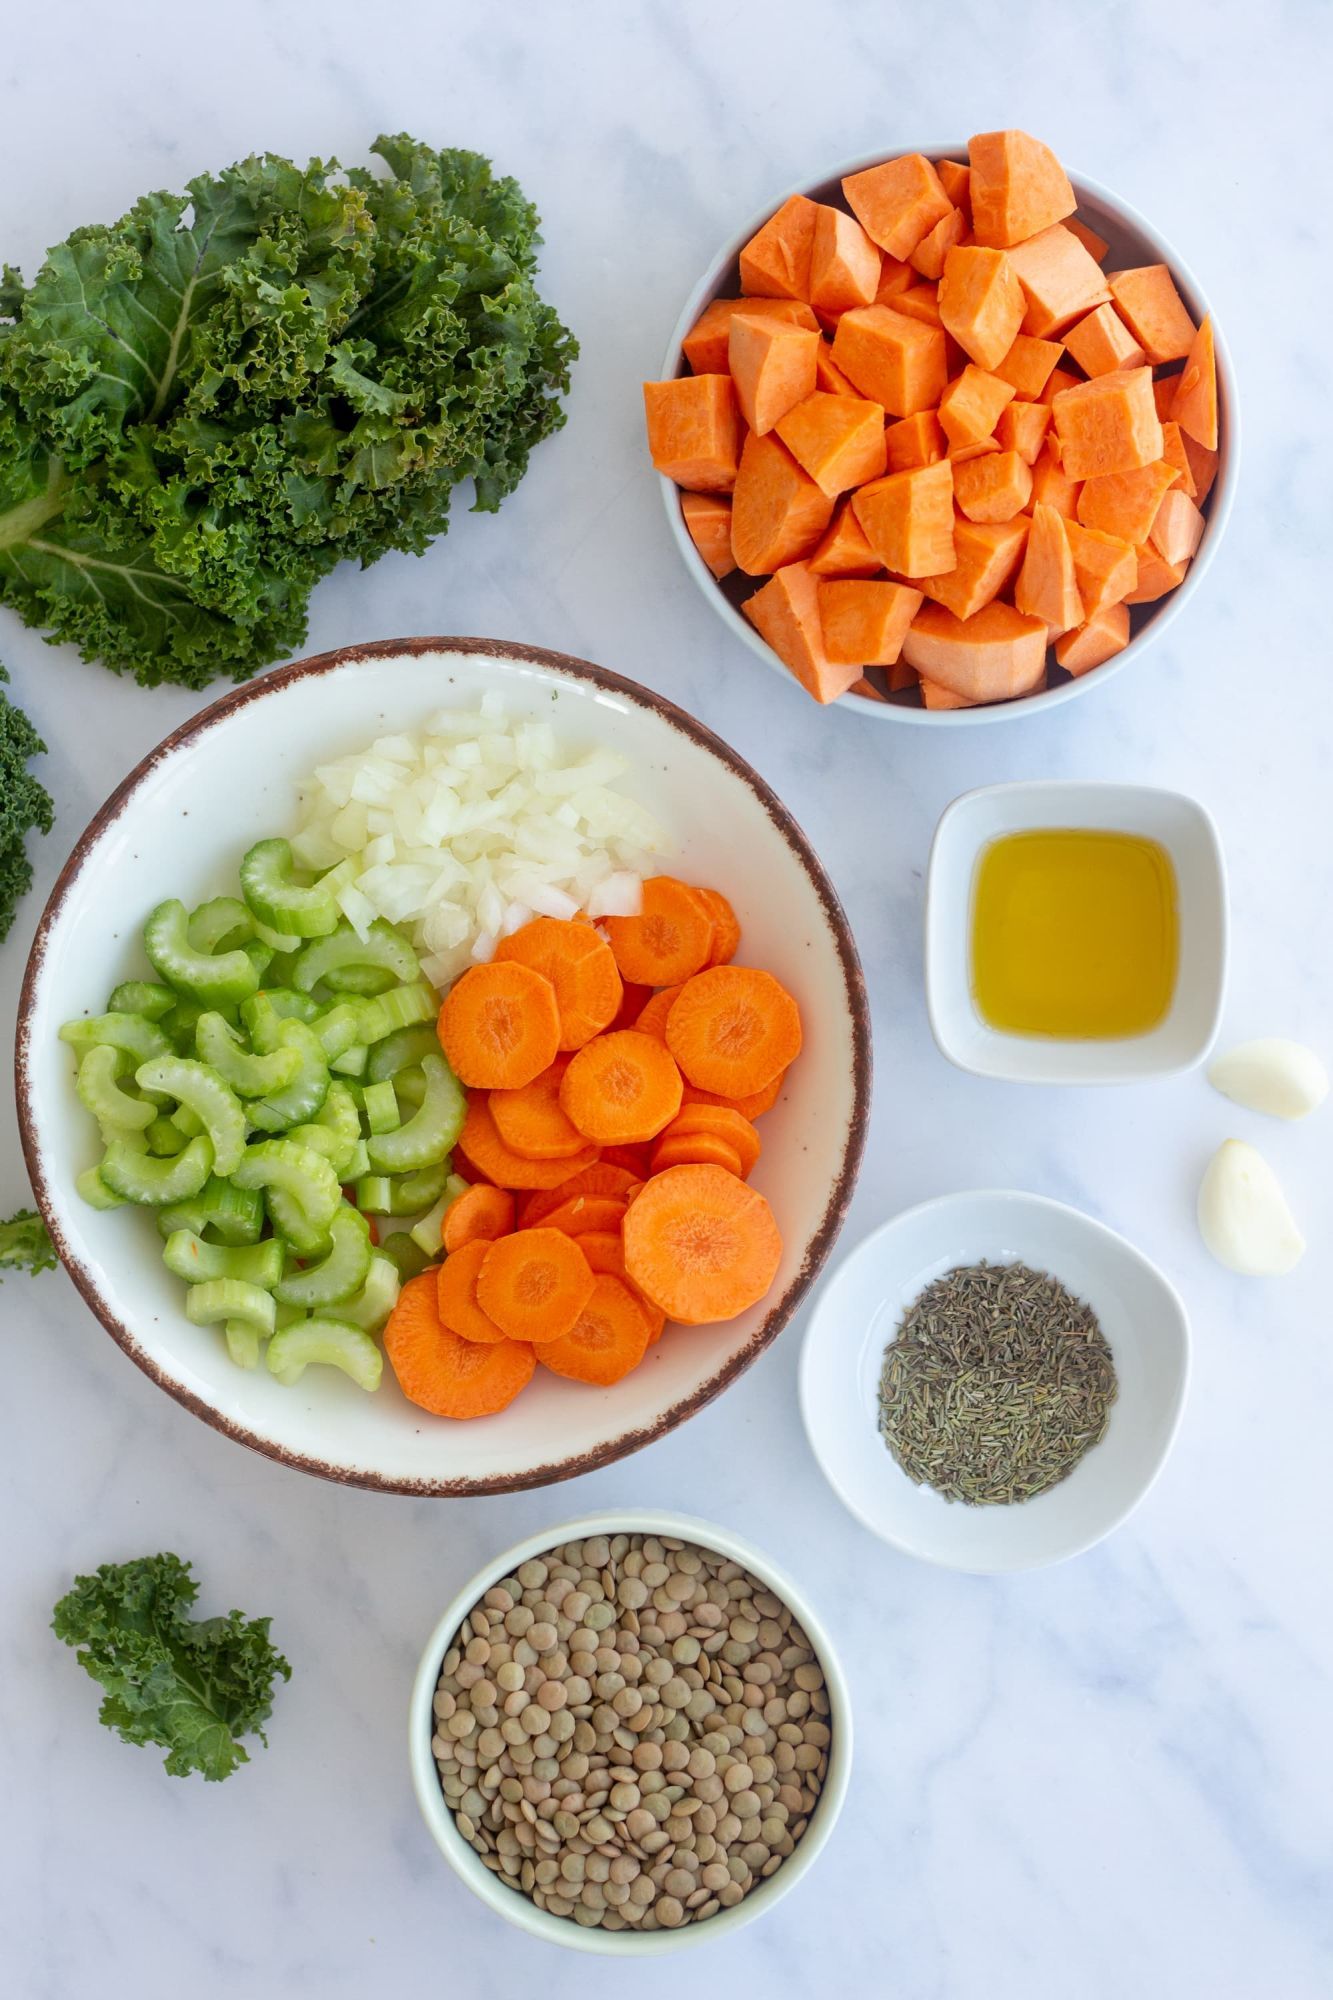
{"x":822,"y":1238}
{"x":1017,"y":1198}
{"x":1169,"y":608}
{"x":1047,"y":787}
{"x":517,"y":1908}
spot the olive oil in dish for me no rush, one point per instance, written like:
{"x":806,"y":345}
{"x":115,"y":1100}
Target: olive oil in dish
{"x":1075,"y":933}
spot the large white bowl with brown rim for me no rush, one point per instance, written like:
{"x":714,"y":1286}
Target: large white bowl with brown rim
{"x":179,"y":825}
{"x":511,"y":1903}
{"x":1133,"y":241}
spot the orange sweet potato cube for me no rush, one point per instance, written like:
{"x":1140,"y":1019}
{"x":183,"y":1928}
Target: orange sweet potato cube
{"x":1105,"y":568}
{"x":897,"y":203}
{"x":1051,"y":484}
{"x":908,"y":519}
{"x":1018,"y":187}
{"x":930,"y":253}
{"x":865,"y":624}
{"x":1175,"y":454}
{"x":956,"y":180}
{"x":1095,"y":245}
{"x":982,"y":305}
{"x":896,"y":361}
{"x":1194,"y":405}
{"x":694,"y":430}
{"x":838,"y":440}
{"x":1108,"y":425}
{"x":1125,"y":503}
{"x":1203,"y":464}
{"x":935,"y":696}
{"x":1022,"y":427}
{"x":775,"y":263}
{"x":994,"y":487}
{"x":772,"y":365}
{"x":1163,"y":394}
{"x":1102,"y":342}
{"x":844,"y":550}
{"x":960,"y":453}
{"x":828,"y":376}
{"x":895,"y":275}
{"x":786,"y":613}
{"x":994,"y":655}
{"x":922,"y":302}
{"x":1058,"y":380}
{"x":1028,"y":365}
{"x":1047,"y":587}
{"x":971,"y":405}
{"x":912,"y":441}
{"x":1157,"y":577}
{"x":988,"y":556}
{"x":706,"y":344}
{"x":708,"y":519}
{"x":778,"y":513}
{"x":1177,"y":527}
{"x":845,"y":266}
{"x":1060,"y":281}
{"x":901,"y":677}
{"x":1154,"y":311}
{"x":1092,"y":644}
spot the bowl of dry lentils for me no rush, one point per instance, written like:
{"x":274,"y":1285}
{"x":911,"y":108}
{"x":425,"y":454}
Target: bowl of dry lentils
{"x":630,"y":1734}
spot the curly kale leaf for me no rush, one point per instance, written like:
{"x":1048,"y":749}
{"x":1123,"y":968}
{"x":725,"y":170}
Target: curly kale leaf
{"x":25,"y":1245}
{"x":24,"y":804}
{"x":208,"y":404}
{"x":194,"y":1686}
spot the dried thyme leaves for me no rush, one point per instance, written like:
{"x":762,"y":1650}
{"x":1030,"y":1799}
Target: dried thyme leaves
{"x":996,"y":1384}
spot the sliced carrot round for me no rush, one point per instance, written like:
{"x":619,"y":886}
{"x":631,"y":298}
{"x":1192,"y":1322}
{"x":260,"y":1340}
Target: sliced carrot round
{"x":581,"y":968}
{"x":478,"y":1216}
{"x":605,"y":1252}
{"x":499,"y":1026}
{"x":583,"y":1212}
{"x":487,"y":1154}
{"x":608,"y":1339}
{"x":733,"y":1029}
{"x":603,"y":1178}
{"x":719,"y":1122}
{"x":726,"y":926}
{"x":531,"y":1122}
{"x":634,"y":1159}
{"x":696,"y":1149}
{"x":653,"y":1018}
{"x":751,"y":1107}
{"x":534,"y":1284}
{"x":442,"y":1373}
{"x":669,"y":939}
{"x":701,"y":1244}
{"x":621,"y":1088}
{"x":456,"y":1295}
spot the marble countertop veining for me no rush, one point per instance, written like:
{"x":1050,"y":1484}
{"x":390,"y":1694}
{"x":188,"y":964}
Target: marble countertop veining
{"x":1107,"y":1780}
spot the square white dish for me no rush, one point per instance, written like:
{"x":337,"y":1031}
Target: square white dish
{"x":1181,"y":825}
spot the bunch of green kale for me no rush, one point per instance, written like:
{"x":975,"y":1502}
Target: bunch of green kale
{"x":206,"y":406}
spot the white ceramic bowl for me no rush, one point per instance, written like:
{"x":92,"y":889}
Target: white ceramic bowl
{"x":1181,"y":826}
{"x":179,"y":825}
{"x":1133,"y":241}
{"x":857,"y":1315}
{"x":510,"y":1903}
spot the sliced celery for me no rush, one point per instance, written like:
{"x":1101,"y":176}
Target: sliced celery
{"x":430,"y":1133}
{"x":341,"y":1273}
{"x":279,"y":900}
{"x":327,"y":1342}
{"x":200,"y":1087}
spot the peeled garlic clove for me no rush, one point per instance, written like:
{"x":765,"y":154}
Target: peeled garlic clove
{"x":1243,"y":1214}
{"x":1284,"y":1079}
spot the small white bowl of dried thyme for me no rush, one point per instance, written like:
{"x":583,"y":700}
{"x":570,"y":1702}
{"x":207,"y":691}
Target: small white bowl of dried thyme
{"x":630,"y":1734}
{"x":993,"y":1381}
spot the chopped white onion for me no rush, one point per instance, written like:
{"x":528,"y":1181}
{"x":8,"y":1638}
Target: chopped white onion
{"x":464,"y":830}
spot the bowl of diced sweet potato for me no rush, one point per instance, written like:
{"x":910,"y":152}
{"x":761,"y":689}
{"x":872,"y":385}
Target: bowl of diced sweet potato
{"x":948,"y":436}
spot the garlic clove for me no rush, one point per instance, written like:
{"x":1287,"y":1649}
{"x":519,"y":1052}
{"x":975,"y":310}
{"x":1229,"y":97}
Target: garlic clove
{"x":1243,"y":1214}
{"x":1282,"y":1078}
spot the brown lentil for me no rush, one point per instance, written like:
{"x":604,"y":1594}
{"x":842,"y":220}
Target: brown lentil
{"x":631,"y":1732}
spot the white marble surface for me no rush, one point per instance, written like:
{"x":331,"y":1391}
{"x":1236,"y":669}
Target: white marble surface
{"x":1108,"y":1780}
